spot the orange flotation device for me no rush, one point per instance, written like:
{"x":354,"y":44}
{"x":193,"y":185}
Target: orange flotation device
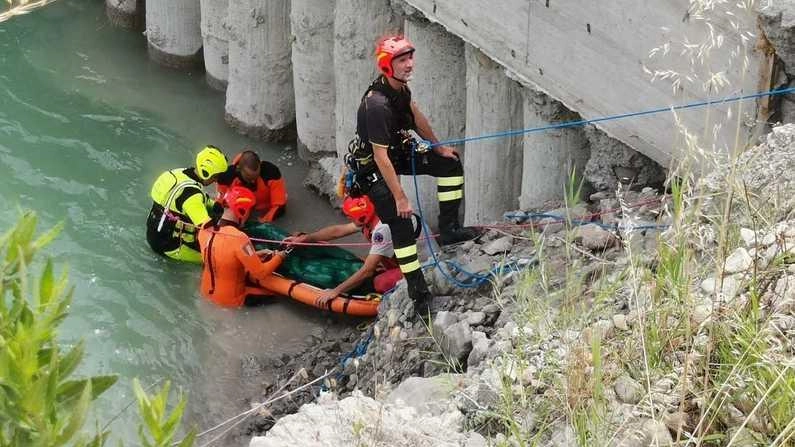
{"x":307,"y":294}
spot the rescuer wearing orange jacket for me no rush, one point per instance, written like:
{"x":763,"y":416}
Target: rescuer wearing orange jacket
{"x":233,"y":269}
{"x":261,"y":177}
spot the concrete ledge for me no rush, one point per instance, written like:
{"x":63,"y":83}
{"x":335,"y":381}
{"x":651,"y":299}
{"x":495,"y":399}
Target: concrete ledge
{"x":175,"y":61}
{"x":215,"y":83}
{"x":287,"y":133}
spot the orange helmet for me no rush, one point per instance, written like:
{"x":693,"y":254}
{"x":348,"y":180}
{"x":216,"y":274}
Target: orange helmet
{"x":240,"y":200}
{"x":389,"y":48}
{"x":360,"y":210}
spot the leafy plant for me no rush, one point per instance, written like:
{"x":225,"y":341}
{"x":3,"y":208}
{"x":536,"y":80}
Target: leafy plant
{"x":158,"y":428}
{"x":40,"y":404}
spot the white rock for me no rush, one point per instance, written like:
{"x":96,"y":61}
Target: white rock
{"x":748,"y":236}
{"x":738,"y":261}
{"x":620,"y":322}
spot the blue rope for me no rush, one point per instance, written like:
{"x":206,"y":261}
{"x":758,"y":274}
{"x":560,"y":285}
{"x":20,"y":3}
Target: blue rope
{"x":510,"y":133}
{"x":478,"y":279}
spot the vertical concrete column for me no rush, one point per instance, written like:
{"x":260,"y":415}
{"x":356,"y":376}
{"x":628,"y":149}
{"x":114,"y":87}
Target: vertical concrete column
{"x":438,"y":86}
{"x":549,"y":156}
{"x":492,"y":167}
{"x":126,"y":13}
{"x":312,"y":23}
{"x":215,"y":36}
{"x":173,"y":32}
{"x":260,"y":101}
{"x":357,"y":26}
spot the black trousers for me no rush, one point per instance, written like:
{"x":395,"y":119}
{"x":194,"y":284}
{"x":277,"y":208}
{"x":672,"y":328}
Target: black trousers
{"x":450,"y":185}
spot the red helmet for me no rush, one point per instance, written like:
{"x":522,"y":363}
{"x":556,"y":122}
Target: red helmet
{"x":389,"y":48}
{"x":360,"y":210}
{"x":240,"y":200}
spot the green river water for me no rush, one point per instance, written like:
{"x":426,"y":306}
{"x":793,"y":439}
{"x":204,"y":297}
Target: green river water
{"x":86,"y":124}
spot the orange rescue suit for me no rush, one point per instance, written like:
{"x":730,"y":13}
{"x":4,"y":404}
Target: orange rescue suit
{"x":270,"y":190}
{"x":232,"y":270}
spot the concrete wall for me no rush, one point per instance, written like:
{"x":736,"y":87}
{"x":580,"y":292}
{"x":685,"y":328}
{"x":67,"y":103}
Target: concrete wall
{"x":591,"y":55}
{"x":260,"y":101}
{"x":312,"y":23}
{"x":215,"y":37}
{"x":438,"y":86}
{"x":357,"y":26}
{"x":173,"y":32}
{"x":549,"y":157}
{"x":492,"y":168}
{"x":126,"y":13}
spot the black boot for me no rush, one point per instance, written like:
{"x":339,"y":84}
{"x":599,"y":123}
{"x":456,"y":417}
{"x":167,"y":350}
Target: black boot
{"x":419,"y":293}
{"x":450,"y":228}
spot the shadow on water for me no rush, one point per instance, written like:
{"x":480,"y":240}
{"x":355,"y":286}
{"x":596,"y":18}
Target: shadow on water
{"x":86,"y":124}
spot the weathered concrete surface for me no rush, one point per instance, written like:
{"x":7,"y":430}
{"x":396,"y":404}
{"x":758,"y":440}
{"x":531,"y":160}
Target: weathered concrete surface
{"x":439,"y":88}
{"x":312,"y":23}
{"x":357,"y":26}
{"x":126,"y":13}
{"x":260,"y":101}
{"x":173,"y":32}
{"x":607,"y":153}
{"x":492,"y":167}
{"x":215,"y":36}
{"x":323,"y":176}
{"x":549,"y":157}
{"x":602,"y":73}
{"x":777,"y":19}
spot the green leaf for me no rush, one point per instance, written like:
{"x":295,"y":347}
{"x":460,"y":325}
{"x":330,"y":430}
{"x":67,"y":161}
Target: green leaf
{"x":78,"y":415}
{"x":48,"y":237}
{"x":70,"y":361}
{"x":144,"y":407}
{"x":171,"y":424}
{"x":69,"y":389}
{"x":46,"y":286}
{"x":189,"y":439}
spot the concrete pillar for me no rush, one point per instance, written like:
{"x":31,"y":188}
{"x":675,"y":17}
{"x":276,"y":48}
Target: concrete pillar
{"x":173,"y":32}
{"x":260,"y":101}
{"x":312,"y":23}
{"x":549,"y":156}
{"x":492,"y":167}
{"x":357,"y":26}
{"x":126,"y":13}
{"x":439,"y":87}
{"x":215,"y":36}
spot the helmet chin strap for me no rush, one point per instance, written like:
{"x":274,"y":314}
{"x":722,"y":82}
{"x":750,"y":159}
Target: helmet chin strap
{"x":402,"y":81}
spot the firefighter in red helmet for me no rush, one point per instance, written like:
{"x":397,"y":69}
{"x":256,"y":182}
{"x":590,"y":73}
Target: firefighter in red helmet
{"x":387,"y":120}
{"x":380,"y":264}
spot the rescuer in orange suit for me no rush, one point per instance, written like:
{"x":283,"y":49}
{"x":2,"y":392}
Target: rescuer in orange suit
{"x":233,"y":270}
{"x":263,"y":179}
